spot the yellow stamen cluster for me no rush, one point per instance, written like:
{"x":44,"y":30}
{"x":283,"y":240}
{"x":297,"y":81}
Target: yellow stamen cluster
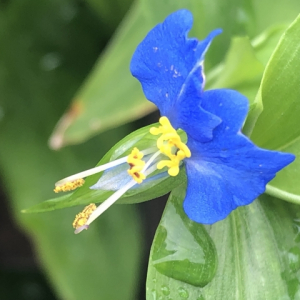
{"x":69,"y":186}
{"x":170,"y":144}
{"x":136,"y":165}
{"x":83,"y":216}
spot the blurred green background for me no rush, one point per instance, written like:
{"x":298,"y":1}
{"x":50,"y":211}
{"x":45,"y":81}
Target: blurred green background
{"x":48,"y":59}
{"x":47,"y":49}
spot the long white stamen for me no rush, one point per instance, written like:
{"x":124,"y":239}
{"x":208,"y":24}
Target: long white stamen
{"x":99,"y":168}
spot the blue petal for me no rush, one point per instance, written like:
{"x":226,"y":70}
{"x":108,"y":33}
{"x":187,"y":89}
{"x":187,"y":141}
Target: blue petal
{"x":170,"y":69}
{"x":229,"y":171}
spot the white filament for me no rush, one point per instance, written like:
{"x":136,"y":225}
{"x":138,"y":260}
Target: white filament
{"x":99,"y":168}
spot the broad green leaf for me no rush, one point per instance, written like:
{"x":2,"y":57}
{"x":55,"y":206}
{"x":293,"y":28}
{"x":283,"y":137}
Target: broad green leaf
{"x":148,"y":190}
{"x":263,"y":46}
{"x":182,"y":251}
{"x":47,"y":48}
{"x":255,"y":246}
{"x":265,"y":42}
{"x":110,"y":95}
{"x":258,"y":257}
{"x":277,"y":127}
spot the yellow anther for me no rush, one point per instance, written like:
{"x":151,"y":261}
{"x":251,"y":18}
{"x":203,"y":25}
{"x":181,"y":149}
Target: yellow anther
{"x":69,"y":186}
{"x":170,"y":144}
{"x":184,"y":149}
{"x":135,"y":154}
{"x":173,"y":166}
{"x":83,"y":216}
{"x":136,"y":165}
{"x":165,"y":127}
{"x":137,"y":176}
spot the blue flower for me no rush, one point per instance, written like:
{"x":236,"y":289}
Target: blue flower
{"x":226,"y":169}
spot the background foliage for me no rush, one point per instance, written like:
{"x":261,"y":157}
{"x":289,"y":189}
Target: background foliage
{"x":49,"y":58}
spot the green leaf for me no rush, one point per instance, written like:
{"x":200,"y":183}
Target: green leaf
{"x":265,"y":42}
{"x":148,"y":190}
{"x":263,"y":46}
{"x":277,"y":127}
{"x":255,"y":246}
{"x":258,"y":256}
{"x":182,"y":254}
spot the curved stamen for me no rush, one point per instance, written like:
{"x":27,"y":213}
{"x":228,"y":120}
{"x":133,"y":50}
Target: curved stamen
{"x":105,"y":205}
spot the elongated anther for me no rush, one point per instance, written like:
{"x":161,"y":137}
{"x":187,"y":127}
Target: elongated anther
{"x":69,"y":186}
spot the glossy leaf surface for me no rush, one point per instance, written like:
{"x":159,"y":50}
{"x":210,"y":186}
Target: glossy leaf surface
{"x":278,"y":125}
{"x":258,"y":256}
{"x":182,"y":249}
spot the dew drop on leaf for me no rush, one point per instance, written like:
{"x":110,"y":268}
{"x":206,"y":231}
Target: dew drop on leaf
{"x":183,"y":293}
{"x":165,"y":290}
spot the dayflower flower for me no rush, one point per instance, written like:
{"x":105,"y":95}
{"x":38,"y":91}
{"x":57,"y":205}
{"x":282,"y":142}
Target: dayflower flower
{"x":224,"y":168}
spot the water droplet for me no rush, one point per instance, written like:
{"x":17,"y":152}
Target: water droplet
{"x":201,"y":298}
{"x":183,"y":293}
{"x":154,"y":280}
{"x":165,"y":290}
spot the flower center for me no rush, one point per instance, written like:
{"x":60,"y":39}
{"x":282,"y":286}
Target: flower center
{"x":170,"y":144}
